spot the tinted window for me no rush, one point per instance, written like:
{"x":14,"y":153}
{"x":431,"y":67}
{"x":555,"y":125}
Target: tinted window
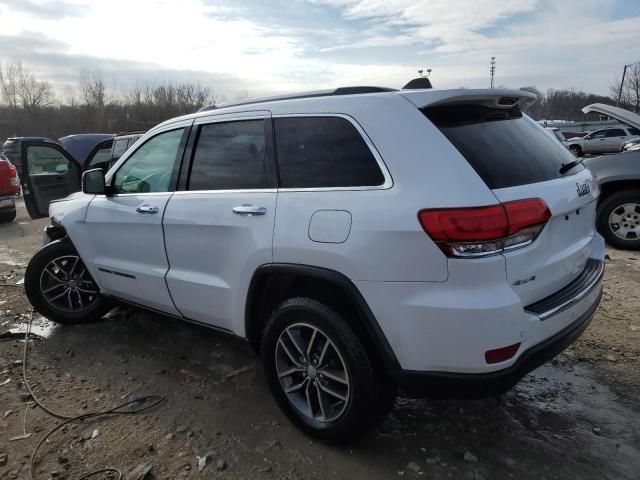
{"x":505,"y":147}
{"x":323,"y":152}
{"x":633,"y":131}
{"x":616,"y":132}
{"x":150,"y":167}
{"x":229,"y":156}
{"x":103,"y":155}
{"x":119,"y":147}
{"x":598,"y":134}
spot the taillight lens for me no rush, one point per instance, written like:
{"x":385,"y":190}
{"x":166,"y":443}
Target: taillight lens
{"x":482,"y":231}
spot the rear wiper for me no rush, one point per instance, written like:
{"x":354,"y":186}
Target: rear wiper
{"x":568,"y":166}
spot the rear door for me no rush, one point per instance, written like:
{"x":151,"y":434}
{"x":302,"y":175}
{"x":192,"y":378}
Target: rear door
{"x":219,"y":229}
{"x":49,"y":172}
{"x":518,"y":160}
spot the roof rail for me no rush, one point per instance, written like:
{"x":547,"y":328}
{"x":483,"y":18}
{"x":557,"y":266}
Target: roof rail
{"x":319,"y":93}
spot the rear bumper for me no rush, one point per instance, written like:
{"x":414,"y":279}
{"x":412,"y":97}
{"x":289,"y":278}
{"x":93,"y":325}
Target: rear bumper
{"x":482,"y":385}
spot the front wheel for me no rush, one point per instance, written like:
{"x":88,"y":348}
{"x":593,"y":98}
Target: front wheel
{"x":618,"y":219}
{"x":319,"y":371}
{"x":59,"y":286}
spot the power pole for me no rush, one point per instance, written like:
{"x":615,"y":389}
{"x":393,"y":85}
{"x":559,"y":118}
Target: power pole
{"x":624,"y":72}
{"x":492,"y":69}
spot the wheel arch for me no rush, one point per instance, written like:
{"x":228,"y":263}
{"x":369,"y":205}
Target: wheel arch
{"x":609,"y":188}
{"x":271,"y":284}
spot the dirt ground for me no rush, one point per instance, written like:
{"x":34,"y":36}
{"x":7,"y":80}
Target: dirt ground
{"x":575,"y":417}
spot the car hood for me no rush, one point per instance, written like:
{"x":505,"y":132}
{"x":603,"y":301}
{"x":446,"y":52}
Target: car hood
{"x":620,"y":114}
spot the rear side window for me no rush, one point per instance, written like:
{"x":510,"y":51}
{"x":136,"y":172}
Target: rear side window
{"x":505,"y":147}
{"x":229,"y":156}
{"x":323,"y":152}
{"x":616,"y":132}
{"x":119,"y":147}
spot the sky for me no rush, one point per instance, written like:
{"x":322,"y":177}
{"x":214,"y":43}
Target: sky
{"x":261,"y":47}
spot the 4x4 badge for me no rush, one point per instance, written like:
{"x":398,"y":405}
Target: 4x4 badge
{"x":583,"y":189}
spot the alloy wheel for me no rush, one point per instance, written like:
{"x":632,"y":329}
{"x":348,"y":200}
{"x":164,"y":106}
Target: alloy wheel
{"x":624,"y":221}
{"x":312,"y":373}
{"x":67,"y":286}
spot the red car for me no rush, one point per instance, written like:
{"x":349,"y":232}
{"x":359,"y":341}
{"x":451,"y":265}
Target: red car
{"x":9,"y":188}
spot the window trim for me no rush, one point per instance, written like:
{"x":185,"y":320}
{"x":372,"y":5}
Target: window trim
{"x":173,"y":182}
{"x":388,"y":180}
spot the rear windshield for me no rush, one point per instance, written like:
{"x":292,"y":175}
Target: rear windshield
{"x":505,"y":147}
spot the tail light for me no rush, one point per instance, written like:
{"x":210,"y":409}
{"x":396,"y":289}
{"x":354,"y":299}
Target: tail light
{"x":9,"y":182}
{"x":482,"y":231}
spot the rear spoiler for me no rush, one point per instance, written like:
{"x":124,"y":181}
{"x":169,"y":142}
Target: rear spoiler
{"x":494,"y":98}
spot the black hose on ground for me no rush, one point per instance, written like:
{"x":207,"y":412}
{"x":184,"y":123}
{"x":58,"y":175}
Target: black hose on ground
{"x":142,"y":404}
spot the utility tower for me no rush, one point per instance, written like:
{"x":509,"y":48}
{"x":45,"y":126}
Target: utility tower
{"x":492,"y":69}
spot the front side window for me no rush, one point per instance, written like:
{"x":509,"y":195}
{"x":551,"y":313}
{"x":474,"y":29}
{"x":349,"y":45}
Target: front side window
{"x":102,"y":155}
{"x":229,"y":156}
{"x":45,"y":160}
{"x":150,"y":167}
{"x":119,"y":147}
{"x":598,"y":134}
{"x":617,"y":132}
{"x":324,"y":152}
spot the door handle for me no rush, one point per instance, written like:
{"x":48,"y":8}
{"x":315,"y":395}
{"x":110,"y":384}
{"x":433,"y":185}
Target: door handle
{"x":147,"y":209}
{"x":249,"y":210}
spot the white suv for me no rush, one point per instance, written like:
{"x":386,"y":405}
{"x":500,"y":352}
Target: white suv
{"x":362,"y":240}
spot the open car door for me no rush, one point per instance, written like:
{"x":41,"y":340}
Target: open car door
{"x":49,"y":172}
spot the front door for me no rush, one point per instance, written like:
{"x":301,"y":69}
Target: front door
{"x":124,"y":237}
{"x":49,"y":172}
{"x":219,"y":230}
{"x":595,"y":142}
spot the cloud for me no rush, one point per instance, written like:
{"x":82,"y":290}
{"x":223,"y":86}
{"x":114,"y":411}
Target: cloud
{"x":48,"y":10}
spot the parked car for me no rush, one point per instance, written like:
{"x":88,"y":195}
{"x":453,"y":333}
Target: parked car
{"x":440,"y":242}
{"x":56,"y":166}
{"x":606,"y":140}
{"x":631,"y":145}
{"x":9,"y":188}
{"x":618,"y":217}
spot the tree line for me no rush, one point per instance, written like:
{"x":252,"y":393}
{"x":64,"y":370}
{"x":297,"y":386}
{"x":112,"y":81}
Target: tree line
{"x":29,"y":106}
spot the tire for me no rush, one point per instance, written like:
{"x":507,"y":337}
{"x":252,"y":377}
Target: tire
{"x":345,"y":358}
{"x":60,"y":288}
{"x":6,"y":217}
{"x":576,"y":150}
{"x":618,"y":219}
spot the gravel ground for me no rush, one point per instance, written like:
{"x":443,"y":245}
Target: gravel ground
{"x":575,"y":417}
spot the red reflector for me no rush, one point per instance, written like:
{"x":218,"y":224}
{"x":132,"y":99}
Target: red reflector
{"x":501,"y":354}
{"x":526,"y":213}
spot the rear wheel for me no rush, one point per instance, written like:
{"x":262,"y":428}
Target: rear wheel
{"x":60,"y":287}
{"x":619,"y":219}
{"x":9,"y":214}
{"x":319,"y":371}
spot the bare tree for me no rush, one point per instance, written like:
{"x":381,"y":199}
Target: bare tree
{"x":93,"y":88}
{"x":34,"y":94}
{"x":630,"y":94}
{"x":9,"y":83}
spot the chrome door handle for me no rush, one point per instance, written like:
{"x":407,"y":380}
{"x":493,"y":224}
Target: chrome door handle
{"x":147,"y":209}
{"x":249,"y":210}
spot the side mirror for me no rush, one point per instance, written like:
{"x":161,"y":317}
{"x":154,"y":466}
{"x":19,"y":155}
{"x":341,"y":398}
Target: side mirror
{"x":93,"y":182}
